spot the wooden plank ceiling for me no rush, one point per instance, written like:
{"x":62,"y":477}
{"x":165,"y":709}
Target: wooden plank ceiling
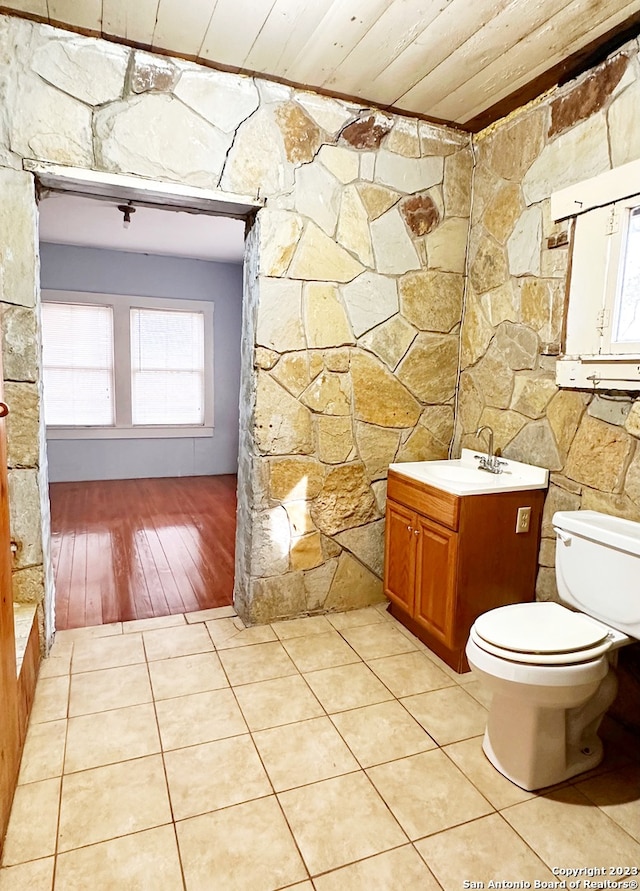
{"x":465,"y":62}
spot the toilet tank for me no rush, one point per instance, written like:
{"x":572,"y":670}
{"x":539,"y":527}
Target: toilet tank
{"x":598,"y":567}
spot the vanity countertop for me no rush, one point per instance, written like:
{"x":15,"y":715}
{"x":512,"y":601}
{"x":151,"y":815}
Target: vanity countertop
{"x":462,"y":476}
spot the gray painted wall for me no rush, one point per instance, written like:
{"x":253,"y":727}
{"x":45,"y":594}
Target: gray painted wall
{"x":117,"y":272}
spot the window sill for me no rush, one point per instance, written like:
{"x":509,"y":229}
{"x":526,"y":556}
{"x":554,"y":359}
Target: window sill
{"x":598,"y":372}
{"x":128,"y":432}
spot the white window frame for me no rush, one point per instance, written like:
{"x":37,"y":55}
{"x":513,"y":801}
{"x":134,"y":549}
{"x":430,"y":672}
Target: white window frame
{"x":121,"y":306}
{"x":599,"y":208}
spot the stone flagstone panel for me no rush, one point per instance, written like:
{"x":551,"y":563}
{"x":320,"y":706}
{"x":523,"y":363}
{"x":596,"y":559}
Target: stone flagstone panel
{"x":18,"y":239}
{"x":390,"y":340}
{"x":326,"y":322}
{"x":430,"y":367}
{"x":341,"y":162}
{"x":301,"y":136}
{"x":353,"y":586}
{"x":283,"y":425}
{"x":295,"y":370}
{"x":366,"y":543}
{"x":280,"y":325}
{"x":156,"y":135}
{"x":370,"y":299}
{"x":153,"y":73}
{"x":255,"y":164}
{"x":225,"y":100}
{"x":319,"y":258}
{"x":85,"y":70}
{"x":393,"y":248}
{"x":328,"y":394}
{"x":345,"y":500}
{"x":378,"y":447}
{"x":578,"y":154}
{"x":353,"y":227}
{"x":19,"y":343}
{"x":432,"y":300}
{"x":280,"y":231}
{"x":447,"y":245}
{"x":317,"y":196}
{"x":408,"y":175}
{"x":51,"y":125}
{"x":379,"y":397}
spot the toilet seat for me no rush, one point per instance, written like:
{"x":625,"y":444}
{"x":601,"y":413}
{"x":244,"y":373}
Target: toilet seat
{"x":541,"y":633}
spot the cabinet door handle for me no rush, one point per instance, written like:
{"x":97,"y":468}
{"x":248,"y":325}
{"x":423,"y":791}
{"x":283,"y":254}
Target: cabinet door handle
{"x":416,"y":532}
{"x":410,"y":528}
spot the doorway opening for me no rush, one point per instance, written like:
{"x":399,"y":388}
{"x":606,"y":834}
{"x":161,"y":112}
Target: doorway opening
{"x":142,"y":507}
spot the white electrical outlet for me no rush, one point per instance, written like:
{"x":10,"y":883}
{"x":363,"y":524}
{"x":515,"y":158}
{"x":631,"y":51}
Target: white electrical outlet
{"x":523,"y":519}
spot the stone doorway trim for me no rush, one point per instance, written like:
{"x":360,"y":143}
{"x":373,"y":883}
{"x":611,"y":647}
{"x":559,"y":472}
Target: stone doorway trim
{"x":156,"y":193}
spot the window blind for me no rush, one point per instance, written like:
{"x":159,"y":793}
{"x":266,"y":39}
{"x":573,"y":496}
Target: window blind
{"x":167,"y":367}
{"x":77,"y":353}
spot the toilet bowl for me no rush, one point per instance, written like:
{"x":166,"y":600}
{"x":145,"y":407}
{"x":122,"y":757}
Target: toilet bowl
{"x":548,"y":667}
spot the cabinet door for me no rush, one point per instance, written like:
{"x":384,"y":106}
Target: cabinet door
{"x":400,"y":555}
{"x":436,"y":579}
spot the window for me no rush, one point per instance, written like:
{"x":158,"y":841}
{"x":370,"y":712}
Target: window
{"x":621,"y":317}
{"x":77,"y":356}
{"x":126,"y":366}
{"x":602,"y":339}
{"x":167,"y":367}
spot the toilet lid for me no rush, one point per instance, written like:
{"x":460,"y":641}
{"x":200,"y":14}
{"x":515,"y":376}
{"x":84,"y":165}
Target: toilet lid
{"x":545,"y":628}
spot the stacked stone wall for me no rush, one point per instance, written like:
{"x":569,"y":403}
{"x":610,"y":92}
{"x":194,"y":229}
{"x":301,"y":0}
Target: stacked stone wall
{"x":355,"y":286}
{"x":515,"y":300}
{"x":515,"y":304}
{"x":353,"y":297}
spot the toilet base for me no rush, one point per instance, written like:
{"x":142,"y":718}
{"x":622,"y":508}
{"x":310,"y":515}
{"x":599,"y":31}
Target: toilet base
{"x":580,"y":765}
{"x":535,"y":747}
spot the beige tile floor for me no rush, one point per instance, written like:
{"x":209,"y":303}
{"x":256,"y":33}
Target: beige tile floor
{"x":329,"y":753}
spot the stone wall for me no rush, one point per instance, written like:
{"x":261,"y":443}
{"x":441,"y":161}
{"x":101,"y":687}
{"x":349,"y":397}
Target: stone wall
{"x":19,"y":325}
{"x":357,"y":298}
{"x":354,"y":286}
{"x":515,"y":304}
{"x":515,"y":300}
{"x":353,"y":299}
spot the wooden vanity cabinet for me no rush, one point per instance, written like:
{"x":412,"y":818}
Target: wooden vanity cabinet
{"x":449,"y":558}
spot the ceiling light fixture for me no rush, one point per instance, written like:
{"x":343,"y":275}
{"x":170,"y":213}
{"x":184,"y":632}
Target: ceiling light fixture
{"x":126,"y":210}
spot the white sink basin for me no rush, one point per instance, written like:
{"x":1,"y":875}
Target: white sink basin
{"x":462,"y":476}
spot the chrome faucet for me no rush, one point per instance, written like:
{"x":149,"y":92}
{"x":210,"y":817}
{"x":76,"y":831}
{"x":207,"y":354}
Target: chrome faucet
{"x":489,"y":462}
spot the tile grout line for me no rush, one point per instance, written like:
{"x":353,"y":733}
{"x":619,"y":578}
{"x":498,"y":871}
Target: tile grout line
{"x":571,"y":783}
{"x":62,"y":774}
{"x":164,"y":768}
{"x":266,"y":772}
{"x":360,"y":770}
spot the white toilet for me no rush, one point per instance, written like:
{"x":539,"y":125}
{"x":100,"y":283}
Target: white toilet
{"x":549,"y":667}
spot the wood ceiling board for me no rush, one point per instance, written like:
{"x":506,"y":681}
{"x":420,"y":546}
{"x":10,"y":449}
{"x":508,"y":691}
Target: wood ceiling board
{"x":457,"y":23}
{"x":344,"y":25}
{"x":290,"y":24}
{"x":31,"y":7}
{"x":398,"y":26}
{"x":450,"y":61}
{"x":85,"y":16}
{"x":133,"y":22}
{"x":522,"y":63}
{"x":181,"y":26}
{"x":473,"y":55}
{"x":224,"y":42}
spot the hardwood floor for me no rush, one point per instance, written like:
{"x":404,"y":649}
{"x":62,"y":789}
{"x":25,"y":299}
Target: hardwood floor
{"x":134,"y":549}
